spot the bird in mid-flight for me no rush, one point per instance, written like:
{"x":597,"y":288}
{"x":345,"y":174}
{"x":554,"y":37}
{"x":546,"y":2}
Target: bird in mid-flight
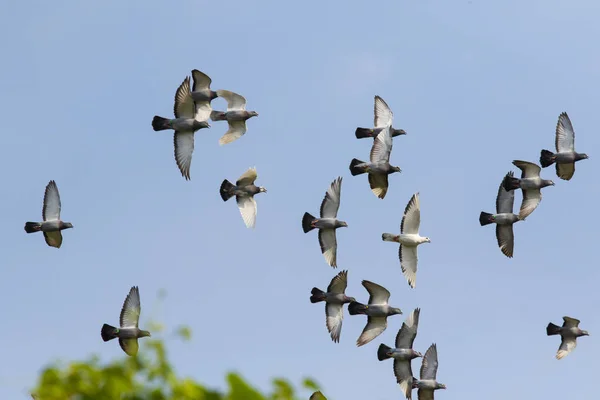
{"x":428,"y":383}
{"x":236,"y":116}
{"x":244,"y":191}
{"x":383,"y":117}
{"x":51,"y":224}
{"x":569,"y":332}
{"x":128,"y":333}
{"x":530,"y":183}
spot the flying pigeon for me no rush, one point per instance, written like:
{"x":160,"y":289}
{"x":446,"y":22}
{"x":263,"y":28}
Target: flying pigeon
{"x":383,"y":118}
{"x":379,"y":167}
{"x":504,"y":219}
{"x":569,"y":332}
{"x":428,"y":384}
{"x":189,"y":117}
{"x":334,"y":299}
{"x":129,"y":332}
{"x":565,"y":156}
{"x":236,"y":116}
{"x":403,"y":353}
{"x":328,"y":222}
{"x":202,"y":94}
{"x":409,"y":239}
{"x":52,"y":224}
{"x":244,"y":191}
{"x":530,"y":183}
{"x":377,"y":311}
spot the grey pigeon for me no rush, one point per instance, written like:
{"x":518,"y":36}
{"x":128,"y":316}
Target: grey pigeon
{"x":328,"y":222}
{"x":236,"y":116}
{"x":428,"y":383}
{"x":377,"y":311}
{"x":565,"y":156}
{"x":409,"y":239}
{"x":569,"y":332}
{"x":403,"y":353}
{"x":244,"y":191}
{"x":202,"y":94}
{"x":334,"y":299}
{"x":189,"y":117}
{"x":383,"y":118}
{"x":530,"y":183}
{"x":129,"y":332}
{"x":379,"y":167}
{"x":52,"y":224}
{"x":504,"y":219}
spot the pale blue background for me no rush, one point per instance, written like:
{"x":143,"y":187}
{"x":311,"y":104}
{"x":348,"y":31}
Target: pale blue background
{"x":475,"y":84}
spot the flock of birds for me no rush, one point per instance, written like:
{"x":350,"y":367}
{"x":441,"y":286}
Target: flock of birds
{"x":192,"y":111}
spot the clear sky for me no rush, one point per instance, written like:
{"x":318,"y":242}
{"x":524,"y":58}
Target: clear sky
{"x":475,"y":84}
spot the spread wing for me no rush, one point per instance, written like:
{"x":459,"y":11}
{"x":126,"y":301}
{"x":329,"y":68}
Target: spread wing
{"x":528,"y":169}
{"x":201,"y":80}
{"x":531,"y":199}
{"x":53,"y":239}
{"x":51,"y":208}
{"x":335,"y":315}
{"x":378,"y":294}
{"x":382,"y":146}
{"x":328,"y":244}
{"x":565,"y":134}
{"x":504,"y":199}
{"x":338,"y":283}
{"x":565,"y":171}
{"x":247,"y":206}
{"x":129,"y":346}
{"x":247,"y":177}
{"x":379,"y":185}
{"x":403,"y":373}
{"x":383,"y":114}
{"x":567,"y":345}
{"x":412,"y":216}
{"x":184,"y":148}
{"x":235,"y":102}
{"x":130,"y":312}
{"x":236,"y":130}
{"x":570,"y":322}
{"x":203,"y":110}
{"x":375,"y":326}
{"x":430,"y":363}
{"x":506,"y":239}
{"x":407,"y":334}
{"x":408,"y":263}
{"x":331,"y":201}
{"x":184,"y":104}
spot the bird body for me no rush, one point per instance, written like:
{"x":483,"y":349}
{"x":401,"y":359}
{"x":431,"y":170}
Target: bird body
{"x":530,"y":183}
{"x":244,"y":191}
{"x":428,"y":384}
{"x":382,"y":117}
{"x":569,"y":332}
{"x":236,"y":116}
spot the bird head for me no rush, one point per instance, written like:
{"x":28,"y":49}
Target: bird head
{"x":426,"y":240}
{"x":549,"y":183}
{"x":253,"y":114}
{"x":204,"y":124}
{"x":144,"y":333}
{"x":350,"y":299}
{"x":262,"y":190}
{"x":416,"y":353}
{"x":67,"y":225}
{"x":585,"y":333}
{"x":341,"y":223}
{"x":395,"y":311}
{"x":400,"y":131}
{"x":584,"y":156}
{"x":441,"y":386}
{"x":396,"y":169}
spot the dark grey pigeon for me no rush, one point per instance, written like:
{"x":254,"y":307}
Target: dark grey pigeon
{"x":383,"y":118}
{"x":379,"y":167}
{"x":328,"y":222}
{"x":565,"y":156}
{"x":334,"y":299}
{"x":569,"y":332}
{"x":530,"y":183}
{"x":189,"y":117}
{"x":236,"y":116}
{"x":504,"y":218}
{"x":129,"y":332}
{"x":428,"y":383}
{"x":244,"y":191}
{"x":403,"y":353}
{"x":52,"y":224}
{"x":377,"y":311}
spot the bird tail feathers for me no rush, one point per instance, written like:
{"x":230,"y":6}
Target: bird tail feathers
{"x":547,"y":158}
{"x":485,"y":218}
{"x":388,"y":237}
{"x":511,"y":183}
{"x":307,"y":220}
{"x":226,"y":190}
{"x":382,"y":352}
{"x":355,"y":169}
{"x":108,"y":332}
{"x":31,"y":227}
{"x":317,"y":295}
{"x":355,"y":308}
{"x":160,"y":123}
{"x":552,"y":329}
{"x":362,"y":133}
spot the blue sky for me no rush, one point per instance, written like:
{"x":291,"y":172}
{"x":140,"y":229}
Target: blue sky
{"x":475,"y":84}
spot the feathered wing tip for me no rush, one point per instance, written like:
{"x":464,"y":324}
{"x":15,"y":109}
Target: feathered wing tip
{"x":354,"y":170}
{"x":362,"y":133}
{"x":317,"y":295}
{"x":355,"y":308}
{"x":547,"y":158}
{"x":511,"y":183}
{"x":307,"y":220}
{"x":552,"y":329}
{"x":382,"y":352}
{"x":160,"y":123}
{"x":485,"y":218}
{"x":108,"y":332}
{"x":226,"y":190}
{"x":31,"y":227}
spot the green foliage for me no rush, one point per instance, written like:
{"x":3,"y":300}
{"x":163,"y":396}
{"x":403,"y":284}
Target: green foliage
{"x":149,"y":376}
